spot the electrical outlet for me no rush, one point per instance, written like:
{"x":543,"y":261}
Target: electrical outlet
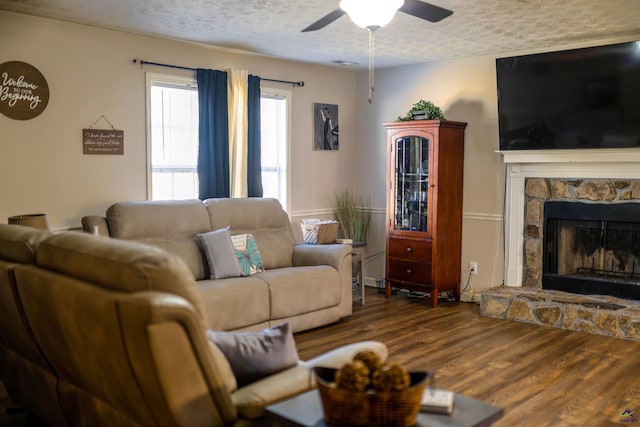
{"x":473,"y":267}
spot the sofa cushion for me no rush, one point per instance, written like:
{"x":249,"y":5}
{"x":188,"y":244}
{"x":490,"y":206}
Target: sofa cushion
{"x":247,"y":254}
{"x":119,"y":265}
{"x":299,"y":290}
{"x":264,"y":218}
{"x":171,"y":225}
{"x":187,"y":249}
{"x":220,"y":253}
{"x":235,"y":303}
{"x":255,"y":355}
{"x":152,"y":218}
{"x":19,"y":243}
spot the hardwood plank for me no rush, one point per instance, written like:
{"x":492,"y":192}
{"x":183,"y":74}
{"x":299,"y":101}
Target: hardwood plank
{"x":541,"y":376}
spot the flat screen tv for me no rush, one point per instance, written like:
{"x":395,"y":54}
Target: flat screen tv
{"x":580,"y":98}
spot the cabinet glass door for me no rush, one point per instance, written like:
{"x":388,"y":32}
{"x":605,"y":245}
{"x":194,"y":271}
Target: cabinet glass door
{"x":411,"y":183}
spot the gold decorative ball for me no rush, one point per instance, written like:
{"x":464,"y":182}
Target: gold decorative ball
{"x":370,"y":359}
{"x":391,"y":377}
{"x":353,"y":376}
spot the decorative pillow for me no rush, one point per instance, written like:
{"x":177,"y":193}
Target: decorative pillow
{"x":255,"y":355}
{"x":220,"y":254}
{"x":248,"y":254}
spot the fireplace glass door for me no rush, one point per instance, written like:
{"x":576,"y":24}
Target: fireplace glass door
{"x":601,"y":249}
{"x":592,"y":248}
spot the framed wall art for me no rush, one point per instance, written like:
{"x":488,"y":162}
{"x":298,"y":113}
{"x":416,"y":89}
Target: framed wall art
{"x":24,"y":92}
{"x":325,"y":127}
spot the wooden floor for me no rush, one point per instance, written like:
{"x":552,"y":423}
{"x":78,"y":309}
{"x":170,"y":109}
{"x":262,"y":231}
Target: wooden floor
{"x":541,"y":376}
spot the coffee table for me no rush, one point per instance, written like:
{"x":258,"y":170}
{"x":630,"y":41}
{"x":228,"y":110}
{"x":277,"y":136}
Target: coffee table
{"x":306,"y":410}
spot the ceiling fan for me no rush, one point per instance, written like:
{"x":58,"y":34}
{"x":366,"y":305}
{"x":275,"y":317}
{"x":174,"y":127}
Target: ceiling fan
{"x":417,"y":8}
{"x":375,"y":14}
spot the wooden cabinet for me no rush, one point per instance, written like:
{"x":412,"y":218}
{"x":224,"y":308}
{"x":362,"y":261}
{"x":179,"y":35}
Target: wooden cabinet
{"x":424,"y":206}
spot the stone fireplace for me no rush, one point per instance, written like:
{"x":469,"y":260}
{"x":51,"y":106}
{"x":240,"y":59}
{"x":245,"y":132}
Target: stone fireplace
{"x":583,"y":235}
{"x":535,"y":178}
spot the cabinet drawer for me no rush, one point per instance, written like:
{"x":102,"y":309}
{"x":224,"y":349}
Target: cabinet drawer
{"x":412,"y":250}
{"x":417,"y":272}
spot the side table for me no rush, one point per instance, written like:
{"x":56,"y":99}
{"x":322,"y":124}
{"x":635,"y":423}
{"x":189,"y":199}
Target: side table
{"x":357,"y":257}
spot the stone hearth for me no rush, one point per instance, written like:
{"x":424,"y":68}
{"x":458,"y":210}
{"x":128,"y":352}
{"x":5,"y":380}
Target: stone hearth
{"x":596,"y":314}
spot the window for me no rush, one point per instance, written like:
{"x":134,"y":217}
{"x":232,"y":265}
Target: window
{"x":173,"y":117}
{"x":274,"y":123}
{"x":173,"y":139}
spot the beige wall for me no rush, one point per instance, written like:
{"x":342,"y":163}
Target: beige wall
{"x":89,"y":71}
{"x":90,"y":74}
{"x":466,"y":91}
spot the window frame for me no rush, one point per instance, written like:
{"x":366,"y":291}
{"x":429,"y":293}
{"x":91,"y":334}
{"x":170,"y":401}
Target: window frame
{"x":287,"y":95}
{"x":169,"y":79}
{"x":184,"y":80}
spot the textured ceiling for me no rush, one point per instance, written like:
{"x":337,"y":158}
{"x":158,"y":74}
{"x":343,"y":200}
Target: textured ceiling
{"x":272,"y":27}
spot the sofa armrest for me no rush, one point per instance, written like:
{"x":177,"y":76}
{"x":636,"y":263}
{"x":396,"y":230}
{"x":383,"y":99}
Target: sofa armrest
{"x":336,"y":256}
{"x":253,"y":398}
{"x":341,"y":355}
{"x":91,"y":221}
{"x":332,"y":255}
{"x":168,"y":353}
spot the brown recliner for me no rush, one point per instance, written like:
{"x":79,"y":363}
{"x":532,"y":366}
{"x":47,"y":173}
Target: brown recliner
{"x":124,"y":331}
{"x":28,"y":376}
{"x":120,"y":324}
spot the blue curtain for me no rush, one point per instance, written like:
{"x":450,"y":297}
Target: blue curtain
{"x":254,"y":156}
{"x":213,"y":152}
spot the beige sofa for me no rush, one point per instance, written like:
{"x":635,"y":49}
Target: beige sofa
{"x":306,"y":285}
{"x":106,"y":332}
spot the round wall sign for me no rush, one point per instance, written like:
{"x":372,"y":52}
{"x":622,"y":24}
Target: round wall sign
{"x":24,"y":92}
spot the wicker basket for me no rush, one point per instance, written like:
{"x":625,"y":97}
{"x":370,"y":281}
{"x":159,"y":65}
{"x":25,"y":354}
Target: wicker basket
{"x":319,"y":233}
{"x":370,"y":408}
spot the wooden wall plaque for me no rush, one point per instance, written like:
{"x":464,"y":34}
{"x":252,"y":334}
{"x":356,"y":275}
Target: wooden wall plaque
{"x":24,"y":92}
{"x":102,"y":141}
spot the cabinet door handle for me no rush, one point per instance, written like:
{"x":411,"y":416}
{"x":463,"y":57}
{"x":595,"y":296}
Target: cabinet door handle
{"x":409,"y":271}
{"x":409,"y":249}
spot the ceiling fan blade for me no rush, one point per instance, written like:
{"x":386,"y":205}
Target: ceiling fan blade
{"x":325,"y":20}
{"x":424,"y":10}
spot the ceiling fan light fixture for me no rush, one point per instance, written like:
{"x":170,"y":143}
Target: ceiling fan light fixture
{"x":371,"y":14}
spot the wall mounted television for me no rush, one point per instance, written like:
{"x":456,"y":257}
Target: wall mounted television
{"x":572,"y":99}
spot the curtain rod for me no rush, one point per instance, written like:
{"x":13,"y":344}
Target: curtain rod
{"x":143,"y":62}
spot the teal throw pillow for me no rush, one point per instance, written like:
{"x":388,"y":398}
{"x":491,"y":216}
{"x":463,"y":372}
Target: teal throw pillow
{"x":248,"y":254}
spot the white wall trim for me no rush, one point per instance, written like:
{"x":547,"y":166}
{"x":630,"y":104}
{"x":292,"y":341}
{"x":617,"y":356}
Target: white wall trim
{"x":477,"y":216}
{"x":311,"y":213}
{"x":613,"y":155}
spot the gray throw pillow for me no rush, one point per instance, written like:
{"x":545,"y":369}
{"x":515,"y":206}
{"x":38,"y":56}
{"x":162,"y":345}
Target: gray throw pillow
{"x":220,"y":254}
{"x":255,"y":355}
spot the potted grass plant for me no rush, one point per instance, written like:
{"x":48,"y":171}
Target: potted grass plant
{"x":354,"y":215}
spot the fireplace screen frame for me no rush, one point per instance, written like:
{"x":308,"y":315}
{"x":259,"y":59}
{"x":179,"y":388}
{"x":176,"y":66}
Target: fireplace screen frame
{"x":609,"y":217}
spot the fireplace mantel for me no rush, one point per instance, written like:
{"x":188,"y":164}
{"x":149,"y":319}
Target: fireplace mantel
{"x":621,"y":163}
{"x":613,"y":155}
